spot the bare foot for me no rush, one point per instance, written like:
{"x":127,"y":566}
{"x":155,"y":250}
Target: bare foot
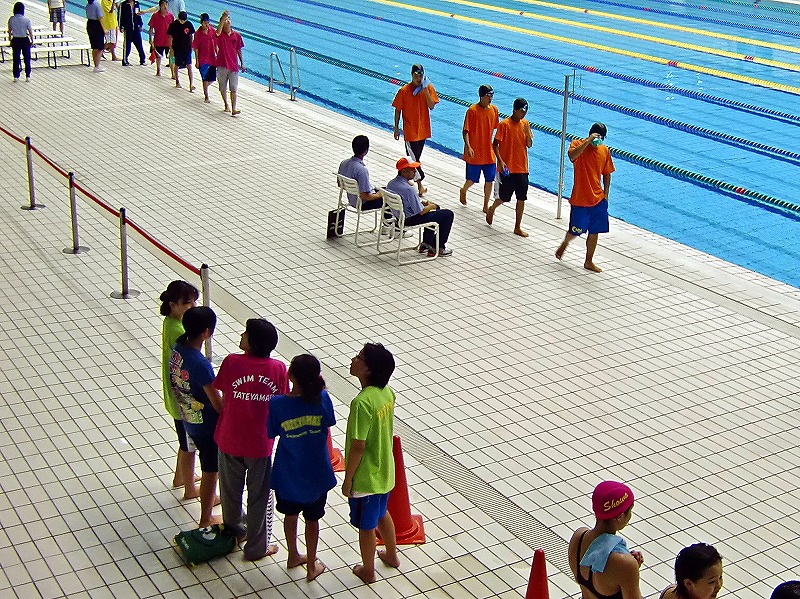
{"x":271,"y":550}
{"x":485,"y":208}
{"x":296,"y":560}
{"x":591,"y":266}
{"x":366,"y":579}
{"x":315,"y":570}
{"x":192,"y":88}
{"x":520,"y":232}
{"x":560,"y":251}
{"x":490,"y":216}
{"x":395,"y":563}
{"x":211,"y":521}
{"x":462,"y":196}
{"x":207,"y":101}
{"x":235,"y":112}
{"x":194,"y":494}
{"x":241,"y":539}
{"x":178,"y":84}
{"x":158,"y":73}
{"x":226,"y":109}
{"x":178,"y":485}
{"x":423,"y":191}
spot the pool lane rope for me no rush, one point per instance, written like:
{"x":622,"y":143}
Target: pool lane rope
{"x":751,"y":5}
{"x":692,"y":17}
{"x":621,"y":33}
{"x":732,"y":140}
{"x":650,"y":23}
{"x":719,"y":101}
{"x":609,"y":49}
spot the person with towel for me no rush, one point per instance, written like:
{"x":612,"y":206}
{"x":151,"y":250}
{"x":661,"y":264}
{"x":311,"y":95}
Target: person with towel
{"x":603,"y":566}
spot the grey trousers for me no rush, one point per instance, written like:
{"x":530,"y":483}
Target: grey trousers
{"x":257,"y":523}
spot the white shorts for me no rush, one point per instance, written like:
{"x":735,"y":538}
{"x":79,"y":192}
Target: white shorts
{"x":227,"y":79}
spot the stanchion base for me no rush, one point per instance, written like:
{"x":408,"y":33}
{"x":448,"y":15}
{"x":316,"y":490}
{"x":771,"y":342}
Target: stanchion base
{"x":81,"y":249}
{"x":119,"y":295}
{"x":34,"y":207}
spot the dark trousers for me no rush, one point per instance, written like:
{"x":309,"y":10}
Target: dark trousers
{"x":445,"y":220}
{"x":21,"y":48}
{"x":133,"y":37}
{"x":414,"y":148}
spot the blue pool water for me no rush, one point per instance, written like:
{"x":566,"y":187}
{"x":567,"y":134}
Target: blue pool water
{"x":350,"y":50}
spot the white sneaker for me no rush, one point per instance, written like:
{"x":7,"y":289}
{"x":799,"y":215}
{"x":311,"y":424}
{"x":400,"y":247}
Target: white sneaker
{"x":99,"y":69}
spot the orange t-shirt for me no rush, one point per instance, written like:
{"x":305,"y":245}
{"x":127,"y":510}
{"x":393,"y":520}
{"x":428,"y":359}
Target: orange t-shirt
{"x":513,"y":144}
{"x":416,"y":114}
{"x":479,"y":122}
{"x":587,"y":186}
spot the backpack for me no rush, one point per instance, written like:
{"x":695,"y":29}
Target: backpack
{"x":202,"y":544}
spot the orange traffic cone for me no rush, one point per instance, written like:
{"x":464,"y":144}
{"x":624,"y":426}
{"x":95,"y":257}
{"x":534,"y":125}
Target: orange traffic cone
{"x":337,"y":460}
{"x":408,"y":527}
{"x":537,"y":583}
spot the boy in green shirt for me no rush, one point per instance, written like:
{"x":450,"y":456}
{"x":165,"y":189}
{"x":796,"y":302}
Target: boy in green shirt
{"x":369,"y":471}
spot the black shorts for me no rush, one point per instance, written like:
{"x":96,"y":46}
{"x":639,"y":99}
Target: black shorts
{"x":163,"y":50}
{"x":182,"y":60}
{"x":97,"y":39}
{"x":207,"y":450}
{"x":311,"y":511}
{"x":514,"y":183}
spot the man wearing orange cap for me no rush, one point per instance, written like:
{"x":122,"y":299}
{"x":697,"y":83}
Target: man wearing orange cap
{"x":599,"y":558}
{"x":416,"y":213}
{"x":414,"y":102}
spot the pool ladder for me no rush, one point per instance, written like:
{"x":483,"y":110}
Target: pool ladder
{"x":294,"y":70}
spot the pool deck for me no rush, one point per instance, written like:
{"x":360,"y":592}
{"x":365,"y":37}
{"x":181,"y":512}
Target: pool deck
{"x":522,"y":381}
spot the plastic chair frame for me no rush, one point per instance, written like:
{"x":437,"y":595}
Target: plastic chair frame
{"x":392,"y":201}
{"x":347,"y":185}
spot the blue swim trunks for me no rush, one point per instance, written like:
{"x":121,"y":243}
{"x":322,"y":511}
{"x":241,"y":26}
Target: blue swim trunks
{"x":474,"y":172}
{"x":366,"y":511}
{"x":589,"y":219}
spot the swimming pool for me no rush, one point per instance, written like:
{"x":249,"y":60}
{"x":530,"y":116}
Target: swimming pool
{"x":700,"y":99}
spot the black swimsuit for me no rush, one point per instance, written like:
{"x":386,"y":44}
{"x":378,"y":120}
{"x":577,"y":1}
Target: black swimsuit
{"x":584,"y":582}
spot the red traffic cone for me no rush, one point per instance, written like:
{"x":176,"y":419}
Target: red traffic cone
{"x":537,"y":583}
{"x":408,"y":527}
{"x":337,"y":460}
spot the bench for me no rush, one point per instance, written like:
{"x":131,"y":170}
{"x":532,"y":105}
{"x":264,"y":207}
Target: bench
{"x":46,"y":42}
{"x":64,"y":50}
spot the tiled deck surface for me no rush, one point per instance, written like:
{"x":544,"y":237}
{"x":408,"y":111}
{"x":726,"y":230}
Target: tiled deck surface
{"x":522,"y":381}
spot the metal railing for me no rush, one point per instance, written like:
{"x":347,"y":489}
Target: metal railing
{"x":294,"y":71}
{"x":150,"y":243}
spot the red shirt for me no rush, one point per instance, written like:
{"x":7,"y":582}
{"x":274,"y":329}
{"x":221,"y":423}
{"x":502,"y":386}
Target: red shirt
{"x":205,"y":44}
{"x":159,"y":24}
{"x":247,"y":383}
{"x":228,"y":46}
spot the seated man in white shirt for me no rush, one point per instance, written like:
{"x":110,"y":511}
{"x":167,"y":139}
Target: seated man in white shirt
{"x":354,"y":168}
{"x":416,"y":213}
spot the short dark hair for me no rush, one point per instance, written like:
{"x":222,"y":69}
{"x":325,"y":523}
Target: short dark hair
{"x":360,"y":145}
{"x":196,"y":321}
{"x":306,"y":372}
{"x":177,"y":292}
{"x":261,"y":336}
{"x":380,"y":363}
{"x":598,"y":128}
{"x":19,"y":8}
{"x":787,"y":590}
{"x":692,"y":562}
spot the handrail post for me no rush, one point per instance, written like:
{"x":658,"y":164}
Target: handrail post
{"x":205,"y":285}
{"x":31,"y":186}
{"x":126,"y":292}
{"x":292,"y":67}
{"x":563,"y":145}
{"x":271,"y":73}
{"x":76,"y":248}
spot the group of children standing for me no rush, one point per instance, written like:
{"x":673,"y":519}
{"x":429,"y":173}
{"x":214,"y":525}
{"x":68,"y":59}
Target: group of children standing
{"x":233,"y":418}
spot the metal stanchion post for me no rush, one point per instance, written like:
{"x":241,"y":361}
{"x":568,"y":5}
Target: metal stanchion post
{"x":206,"y":291}
{"x":563,"y":145}
{"x":31,"y":187}
{"x":126,"y":292}
{"x":76,"y":248}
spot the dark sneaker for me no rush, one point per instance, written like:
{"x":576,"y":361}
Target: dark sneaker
{"x":424,"y":248}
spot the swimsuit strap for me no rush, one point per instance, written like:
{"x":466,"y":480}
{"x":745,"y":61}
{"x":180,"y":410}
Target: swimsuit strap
{"x":587,"y":582}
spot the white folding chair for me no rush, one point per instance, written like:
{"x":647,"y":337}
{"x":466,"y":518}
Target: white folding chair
{"x":347,"y":185}
{"x":394,"y":202}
